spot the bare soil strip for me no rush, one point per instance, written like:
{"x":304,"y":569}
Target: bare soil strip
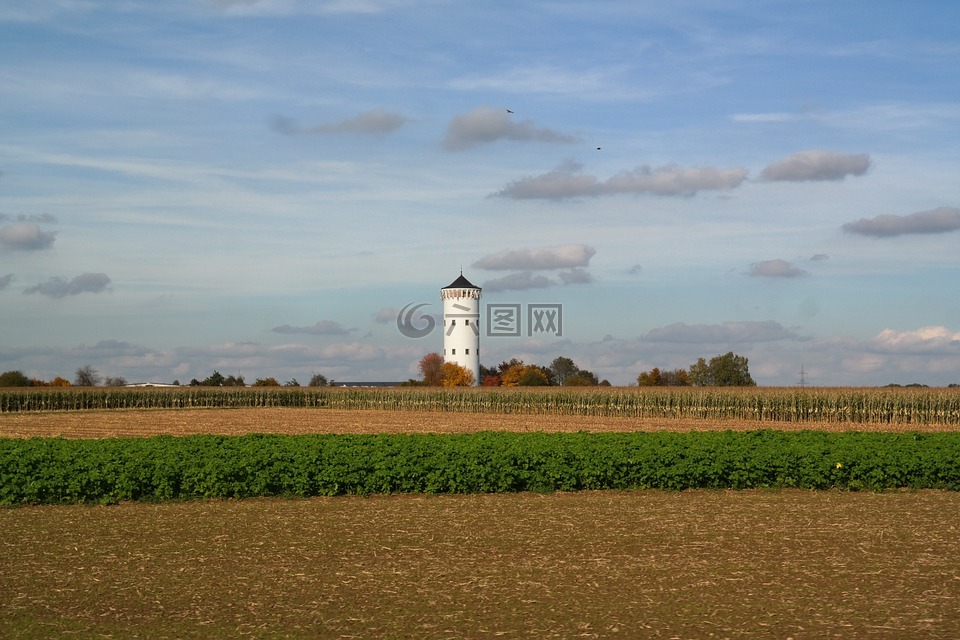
{"x":181,"y":422}
{"x":697,"y":564}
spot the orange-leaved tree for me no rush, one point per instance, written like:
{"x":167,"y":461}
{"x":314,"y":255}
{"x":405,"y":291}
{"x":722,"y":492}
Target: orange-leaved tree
{"x":429,"y":366}
{"x":456,"y":376}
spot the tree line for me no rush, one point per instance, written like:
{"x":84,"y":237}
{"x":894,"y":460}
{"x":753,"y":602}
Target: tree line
{"x":562,"y":371}
{"x":87,"y":376}
{"x":728,"y":370}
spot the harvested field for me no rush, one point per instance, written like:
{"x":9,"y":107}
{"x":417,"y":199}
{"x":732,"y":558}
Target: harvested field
{"x":696,"y":564}
{"x":181,"y":422}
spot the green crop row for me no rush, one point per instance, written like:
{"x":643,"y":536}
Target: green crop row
{"x":818,"y":405}
{"x":56,"y":471}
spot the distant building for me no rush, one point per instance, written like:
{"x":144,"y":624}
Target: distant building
{"x":461,"y":325}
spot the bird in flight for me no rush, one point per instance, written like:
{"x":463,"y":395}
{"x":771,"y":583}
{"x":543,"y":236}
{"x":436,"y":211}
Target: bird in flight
{"x":508,"y":111}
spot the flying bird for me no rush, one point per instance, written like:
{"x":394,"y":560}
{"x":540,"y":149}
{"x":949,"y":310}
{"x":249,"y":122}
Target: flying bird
{"x":598,"y":148}
{"x":508,"y":111}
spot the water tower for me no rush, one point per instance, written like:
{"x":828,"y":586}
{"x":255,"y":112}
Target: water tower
{"x":461,"y":325}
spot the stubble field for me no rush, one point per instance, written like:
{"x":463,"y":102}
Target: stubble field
{"x":694,"y":564}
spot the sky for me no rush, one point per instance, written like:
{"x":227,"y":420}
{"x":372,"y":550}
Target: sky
{"x":260,"y":187}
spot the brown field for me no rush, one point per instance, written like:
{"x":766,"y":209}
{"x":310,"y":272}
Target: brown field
{"x":639,"y":564}
{"x":644,"y":564}
{"x":180,"y":422}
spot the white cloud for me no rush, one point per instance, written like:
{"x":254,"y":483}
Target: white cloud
{"x":576,"y":276}
{"x":518,"y":282}
{"x":487,"y":124}
{"x":60,"y":287}
{"x":246,"y":8}
{"x":776,"y":269}
{"x":922,"y":340}
{"x":566,"y":181}
{"x":374,"y":123}
{"x":321,"y":328}
{"x":745,"y":332}
{"x":940,"y":220}
{"x":386,"y":315}
{"x":26,"y":236}
{"x":557,"y":257}
{"x":816,"y":165}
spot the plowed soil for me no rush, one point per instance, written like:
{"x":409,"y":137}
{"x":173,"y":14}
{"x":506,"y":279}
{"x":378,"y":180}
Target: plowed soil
{"x":644,"y":564}
{"x":181,"y":422}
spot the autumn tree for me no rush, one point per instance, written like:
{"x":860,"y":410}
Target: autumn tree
{"x":454,"y":375}
{"x":510,"y":376}
{"x":657,"y":378}
{"x":430,"y":369}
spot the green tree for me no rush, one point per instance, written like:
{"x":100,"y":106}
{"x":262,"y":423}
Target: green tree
{"x":562,"y":368}
{"x":534,"y":376}
{"x":577,"y":380}
{"x":86,"y":376}
{"x":115,"y":381}
{"x":216,"y":379}
{"x":728,"y":370}
{"x":318,"y":380}
{"x":14,"y":379}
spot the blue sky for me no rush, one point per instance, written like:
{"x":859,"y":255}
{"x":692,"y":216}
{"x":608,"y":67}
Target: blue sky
{"x":260,"y":186}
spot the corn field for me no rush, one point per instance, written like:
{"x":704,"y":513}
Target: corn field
{"x":818,"y":405}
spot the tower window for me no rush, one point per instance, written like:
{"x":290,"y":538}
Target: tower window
{"x":467,"y":322}
{"x":453,"y":322}
{"x":453,"y":352}
{"x":467,"y":352}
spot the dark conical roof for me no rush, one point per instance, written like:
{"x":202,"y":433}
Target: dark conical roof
{"x":461,"y":283}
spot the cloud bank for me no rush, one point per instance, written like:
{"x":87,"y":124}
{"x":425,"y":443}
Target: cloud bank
{"x":746,"y":332}
{"x":775,"y":269}
{"x":518,"y":282}
{"x":321,"y":328}
{"x":816,"y":165}
{"x":566,"y":181}
{"x":940,"y":220}
{"x":558,"y":257}
{"x":26,"y":236}
{"x":372,"y":123}
{"x":61,"y":287}
{"x":485,"y":125}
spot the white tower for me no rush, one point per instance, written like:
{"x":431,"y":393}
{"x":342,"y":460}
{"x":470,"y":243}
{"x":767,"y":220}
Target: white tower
{"x":461,"y":325}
